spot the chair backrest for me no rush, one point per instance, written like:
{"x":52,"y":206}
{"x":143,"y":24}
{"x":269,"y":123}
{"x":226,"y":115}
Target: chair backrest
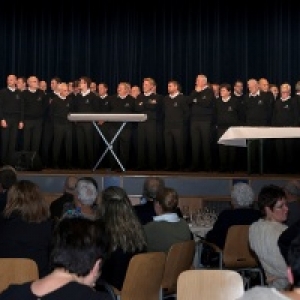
{"x":179,"y":258}
{"x":237,"y":252}
{"x":209,"y":284}
{"x":16,"y":271}
{"x":144,"y":276}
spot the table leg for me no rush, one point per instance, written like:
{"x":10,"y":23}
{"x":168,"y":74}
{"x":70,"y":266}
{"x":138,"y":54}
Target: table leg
{"x":109,"y":146}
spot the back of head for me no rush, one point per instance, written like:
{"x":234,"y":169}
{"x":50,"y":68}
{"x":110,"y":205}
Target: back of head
{"x":294,"y":260}
{"x":242,"y":195}
{"x":122,"y":224}
{"x":70,"y":184}
{"x":151,"y":186}
{"x":25,"y":199}
{"x":115,"y":204}
{"x":268,"y":196}
{"x":293,"y":188}
{"x":87,"y":190}
{"x":8,"y":176}
{"x":168,"y":199}
{"x":77,"y":244}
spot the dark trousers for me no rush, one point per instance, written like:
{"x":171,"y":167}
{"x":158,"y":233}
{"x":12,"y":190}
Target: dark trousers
{"x":226,"y":154}
{"x":85,"y":146}
{"x":147,"y":144}
{"x":285,"y":155}
{"x":47,"y":144}
{"x":201,"y":144}
{"x":174,"y":147}
{"x":32,"y":135}
{"x":62,"y":142}
{"x":8,"y":140}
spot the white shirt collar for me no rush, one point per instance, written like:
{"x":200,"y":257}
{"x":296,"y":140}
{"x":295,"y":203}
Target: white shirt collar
{"x":168,"y":217}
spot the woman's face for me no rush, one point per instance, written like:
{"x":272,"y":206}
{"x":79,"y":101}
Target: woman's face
{"x":279,"y":211}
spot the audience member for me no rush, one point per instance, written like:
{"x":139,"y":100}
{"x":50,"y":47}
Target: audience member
{"x":166,"y":228}
{"x":145,"y":210}
{"x":79,"y":248}
{"x":85,"y":198}
{"x":56,"y":207}
{"x":264,"y":234}
{"x":293,"y":274}
{"x":242,"y":213}
{"x":292,"y":192}
{"x":26,"y":227}
{"x":126,"y":233}
{"x":8,"y":176}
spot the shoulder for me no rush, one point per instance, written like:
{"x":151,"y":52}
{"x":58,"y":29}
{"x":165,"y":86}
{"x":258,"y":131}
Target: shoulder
{"x":15,"y":290}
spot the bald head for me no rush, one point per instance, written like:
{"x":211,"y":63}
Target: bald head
{"x":70,"y":184}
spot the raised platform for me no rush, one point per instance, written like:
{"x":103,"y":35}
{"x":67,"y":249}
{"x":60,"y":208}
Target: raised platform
{"x":187,"y":184}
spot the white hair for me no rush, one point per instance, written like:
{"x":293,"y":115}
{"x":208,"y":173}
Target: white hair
{"x":242,"y":194}
{"x":86,"y":192}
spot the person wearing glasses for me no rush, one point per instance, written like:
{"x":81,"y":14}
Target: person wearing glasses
{"x":264,"y":234}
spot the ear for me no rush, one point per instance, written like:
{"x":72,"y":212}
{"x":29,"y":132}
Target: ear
{"x":290,"y":275}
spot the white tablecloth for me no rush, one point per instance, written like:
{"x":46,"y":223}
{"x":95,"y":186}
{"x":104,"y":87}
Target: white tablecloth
{"x":199,"y":231}
{"x":238,"y":135}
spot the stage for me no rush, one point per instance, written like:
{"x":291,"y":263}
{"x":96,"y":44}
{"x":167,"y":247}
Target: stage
{"x":190,"y":184}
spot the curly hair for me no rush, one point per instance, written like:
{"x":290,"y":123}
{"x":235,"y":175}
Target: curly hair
{"x":242,"y":194}
{"x":121,"y":222}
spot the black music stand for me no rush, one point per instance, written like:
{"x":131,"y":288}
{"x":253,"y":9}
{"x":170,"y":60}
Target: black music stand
{"x":123,"y":118}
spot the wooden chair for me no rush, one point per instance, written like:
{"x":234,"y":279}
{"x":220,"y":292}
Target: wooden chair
{"x":237,"y":254}
{"x":209,"y":284}
{"x":179,"y":258}
{"x":143,"y":277}
{"x":16,"y":271}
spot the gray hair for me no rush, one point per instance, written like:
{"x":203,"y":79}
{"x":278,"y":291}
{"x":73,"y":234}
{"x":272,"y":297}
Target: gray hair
{"x":86,"y":192}
{"x":242,"y":194}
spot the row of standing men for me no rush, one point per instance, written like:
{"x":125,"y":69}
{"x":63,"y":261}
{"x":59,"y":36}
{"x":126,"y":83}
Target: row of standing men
{"x":180,"y":133}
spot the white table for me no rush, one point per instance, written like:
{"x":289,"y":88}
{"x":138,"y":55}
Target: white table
{"x":241,"y":135}
{"x":94,"y":118}
{"x":199,"y":231}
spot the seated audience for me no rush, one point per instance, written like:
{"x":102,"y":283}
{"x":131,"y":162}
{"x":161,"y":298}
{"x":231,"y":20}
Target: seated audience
{"x":79,"y":248}
{"x":8,"y":176}
{"x":25,"y":226}
{"x":293,"y":275}
{"x":57,"y":206}
{"x":264,"y":234}
{"x":166,"y":228}
{"x":125,"y":231}
{"x":85,"y":199}
{"x":145,"y":211}
{"x":242,"y":213}
{"x":292,"y":191}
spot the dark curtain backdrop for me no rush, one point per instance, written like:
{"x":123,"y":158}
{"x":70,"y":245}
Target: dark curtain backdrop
{"x":164,"y":41}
